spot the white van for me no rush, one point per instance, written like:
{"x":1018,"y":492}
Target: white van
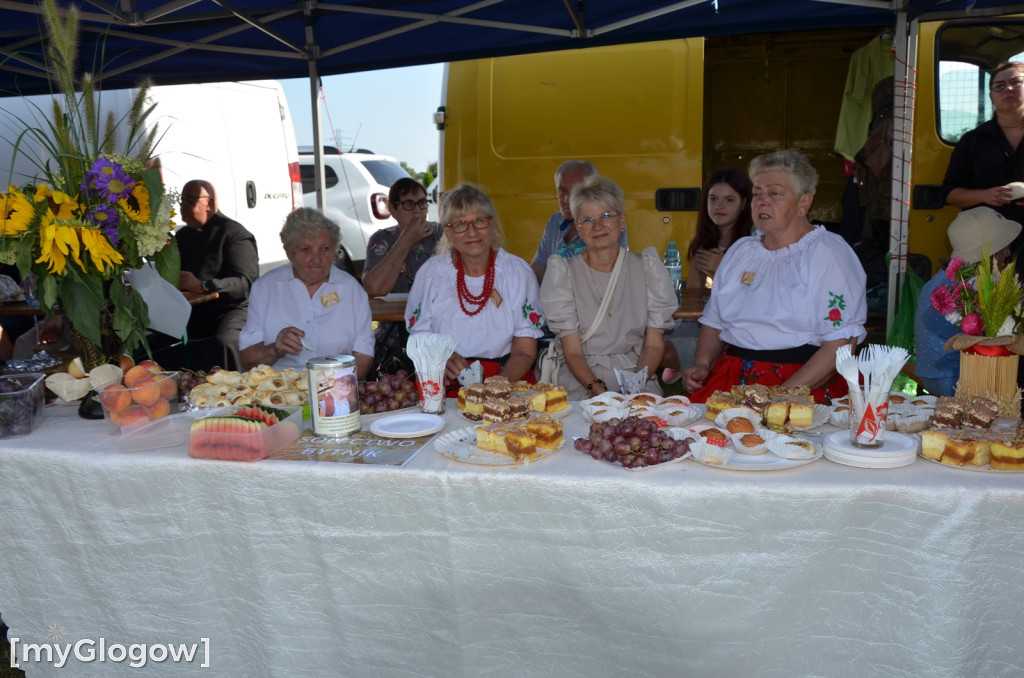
{"x":236,"y":135}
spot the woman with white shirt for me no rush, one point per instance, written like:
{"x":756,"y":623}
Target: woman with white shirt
{"x":476,"y":292}
{"x":308,"y":307}
{"x":784,"y":299}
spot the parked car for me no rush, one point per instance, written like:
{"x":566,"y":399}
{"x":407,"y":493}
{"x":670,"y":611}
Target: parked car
{"x":356,"y":194}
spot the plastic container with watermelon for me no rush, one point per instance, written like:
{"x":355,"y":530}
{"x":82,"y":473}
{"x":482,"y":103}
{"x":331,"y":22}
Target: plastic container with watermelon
{"x":244,"y":433}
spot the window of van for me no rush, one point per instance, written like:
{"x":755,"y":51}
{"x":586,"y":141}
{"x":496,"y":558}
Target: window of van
{"x":966,"y":53}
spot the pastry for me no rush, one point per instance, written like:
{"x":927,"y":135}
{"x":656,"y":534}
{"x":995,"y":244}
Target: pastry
{"x":801,"y":411}
{"x":948,"y":412}
{"x":740,"y":425}
{"x":547,"y":431}
{"x":751,"y":440}
{"x":714,"y":436}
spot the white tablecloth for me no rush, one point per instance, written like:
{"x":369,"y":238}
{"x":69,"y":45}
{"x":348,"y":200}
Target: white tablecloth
{"x":567,"y":567}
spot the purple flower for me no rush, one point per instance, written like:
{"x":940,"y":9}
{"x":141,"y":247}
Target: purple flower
{"x":110,"y":179}
{"x":954,"y":265}
{"x":972,"y":325}
{"x":943,"y":301}
{"x":106,"y":218}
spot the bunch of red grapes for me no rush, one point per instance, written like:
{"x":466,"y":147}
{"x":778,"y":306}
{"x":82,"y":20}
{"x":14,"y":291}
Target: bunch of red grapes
{"x":389,"y":393}
{"x":632,"y":442}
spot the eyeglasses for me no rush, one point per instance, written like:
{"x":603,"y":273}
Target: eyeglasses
{"x":411,"y":205}
{"x":1004,"y":84}
{"x":586,"y":223}
{"x":192,"y":199}
{"x":479,"y":223}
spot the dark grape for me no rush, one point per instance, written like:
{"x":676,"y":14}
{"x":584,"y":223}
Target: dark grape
{"x":632,"y":442}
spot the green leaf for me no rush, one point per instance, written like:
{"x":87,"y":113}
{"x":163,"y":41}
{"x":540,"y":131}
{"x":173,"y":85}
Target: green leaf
{"x":82,"y":298}
{"x":168,"y":262}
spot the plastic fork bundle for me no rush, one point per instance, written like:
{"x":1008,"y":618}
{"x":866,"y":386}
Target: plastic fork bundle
{"x":869,"y":376}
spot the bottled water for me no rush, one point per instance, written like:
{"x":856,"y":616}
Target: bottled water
{"x":674,"y":265}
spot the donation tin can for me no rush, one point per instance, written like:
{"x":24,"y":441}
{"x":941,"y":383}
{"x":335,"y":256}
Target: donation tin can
{"x":333,"y":395}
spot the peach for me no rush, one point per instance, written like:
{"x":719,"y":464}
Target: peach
{"x":159,"y":409}
{"x":115,"y":398}
{"x":168,"y":386}
{"x":127,"y":362}
{"x":129,"y":416}
{"x":146,"y":392}
{"x":136,"y":374}
{"x":151,"y":365}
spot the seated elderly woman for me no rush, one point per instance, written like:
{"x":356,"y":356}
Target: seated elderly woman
{"x":784,"y":299}
{"x":608,"y":307}
{"x":308,"y":307}
{"x":393,"y":256}
{"x":484,"y":297}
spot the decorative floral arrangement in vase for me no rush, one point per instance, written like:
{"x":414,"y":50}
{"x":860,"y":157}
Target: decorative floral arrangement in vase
{"x":95,"y":210}
{"x":985,"y":302}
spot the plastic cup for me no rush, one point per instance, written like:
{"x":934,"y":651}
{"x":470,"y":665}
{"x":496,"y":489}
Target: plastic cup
{"x":430,"y":390}
{"x":868,"y":415}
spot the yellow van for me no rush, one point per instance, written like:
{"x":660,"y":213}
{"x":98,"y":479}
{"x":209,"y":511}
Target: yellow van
{"x":659,"y":117}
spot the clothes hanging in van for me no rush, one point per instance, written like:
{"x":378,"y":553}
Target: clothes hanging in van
{"x":868,"y":65}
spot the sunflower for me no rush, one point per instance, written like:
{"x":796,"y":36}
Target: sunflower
{"x":17,"y":211}
{"x":136,"y":205}
{"x":56,"y":241}
{"x":100,"y":250}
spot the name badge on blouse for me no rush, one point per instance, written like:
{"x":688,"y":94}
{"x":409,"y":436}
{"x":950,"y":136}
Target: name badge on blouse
{"x":496,"y":298}
{"x":747,"y":278}
{"x":329,"y":299}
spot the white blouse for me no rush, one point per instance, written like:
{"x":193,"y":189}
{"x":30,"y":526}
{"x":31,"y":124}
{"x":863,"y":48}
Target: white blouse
{"x":808,"y":293}
{"x":336,"y":319}
{"x":434,"y":306}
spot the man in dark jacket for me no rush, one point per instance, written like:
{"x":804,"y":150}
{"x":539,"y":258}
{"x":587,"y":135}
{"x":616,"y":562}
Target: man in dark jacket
{"x":217,"y":255}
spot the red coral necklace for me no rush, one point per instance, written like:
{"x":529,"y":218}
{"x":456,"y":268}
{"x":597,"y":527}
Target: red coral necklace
{"x":474,"y":300}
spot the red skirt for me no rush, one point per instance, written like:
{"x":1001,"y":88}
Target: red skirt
{"x":732,"y":371}
{"x":491,"y":368}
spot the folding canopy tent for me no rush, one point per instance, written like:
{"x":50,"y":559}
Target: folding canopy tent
{"x":180,"y":41}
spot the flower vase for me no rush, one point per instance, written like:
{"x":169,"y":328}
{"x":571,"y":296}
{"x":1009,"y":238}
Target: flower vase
{"x":93,"y":355}
{"x":988,"y":367}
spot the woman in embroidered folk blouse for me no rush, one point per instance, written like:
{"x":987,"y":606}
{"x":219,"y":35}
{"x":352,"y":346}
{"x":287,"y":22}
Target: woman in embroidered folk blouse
{"x":630,"y":333}
{"x":783,"y":301}
{"x":476,"y":292}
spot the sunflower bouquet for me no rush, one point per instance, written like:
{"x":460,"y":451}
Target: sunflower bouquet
{"x":981,"y":299}
{"x":92,"y":213}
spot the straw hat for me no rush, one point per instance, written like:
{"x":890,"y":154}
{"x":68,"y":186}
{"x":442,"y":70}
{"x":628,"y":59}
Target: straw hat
{"x":978,"y":230}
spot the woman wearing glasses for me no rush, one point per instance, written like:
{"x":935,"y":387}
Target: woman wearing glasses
{"x":991,"y":156}
{"x":393,"y":256}
{"x":608,"y":307}
{"x":475,"y":291}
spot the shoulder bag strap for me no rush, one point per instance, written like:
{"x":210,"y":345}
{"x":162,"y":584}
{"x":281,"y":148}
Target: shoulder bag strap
{"x":608,"y":293}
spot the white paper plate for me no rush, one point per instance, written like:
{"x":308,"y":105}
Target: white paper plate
{"x":413,"y":425}
{"x":461,"y":446}
{"x":761,"y":462}
{"x":897,"y":450}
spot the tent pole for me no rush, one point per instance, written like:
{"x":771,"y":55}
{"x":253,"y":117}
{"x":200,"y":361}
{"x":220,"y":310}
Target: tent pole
{"x":314,"y":101}
{"x":903,"y":142}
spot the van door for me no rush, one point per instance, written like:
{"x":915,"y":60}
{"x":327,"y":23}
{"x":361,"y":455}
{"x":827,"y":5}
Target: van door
{"x":238,"y":136}
{"x":635,"y":111}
